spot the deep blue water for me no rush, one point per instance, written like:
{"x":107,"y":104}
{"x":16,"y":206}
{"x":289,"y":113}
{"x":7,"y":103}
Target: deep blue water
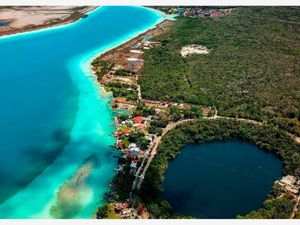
{"x":220,"y":179}
{"x":52,"y":114}
{"x":4,"y":23}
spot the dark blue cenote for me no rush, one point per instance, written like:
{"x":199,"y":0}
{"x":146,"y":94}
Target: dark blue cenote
{"x":220,"y":179}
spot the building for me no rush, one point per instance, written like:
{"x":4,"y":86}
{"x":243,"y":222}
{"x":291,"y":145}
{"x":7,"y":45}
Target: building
{"x":133,"y":164}
{"x":139,"y":127}
{"x":134,"y":150}
{"x":132,"y":145}
{"x":289,"y":184}
{"x":138,"y":119}
{"x":288,"y":180}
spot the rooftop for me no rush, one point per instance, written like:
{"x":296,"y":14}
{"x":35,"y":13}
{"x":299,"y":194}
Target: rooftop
{"x":138,"y":119}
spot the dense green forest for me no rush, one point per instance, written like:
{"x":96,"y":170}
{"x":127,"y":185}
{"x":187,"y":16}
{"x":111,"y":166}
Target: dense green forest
{"x":252,"y":70}
{"x":278,"y":205}
{"x":267,"y":137}
{"x":273,"y":208}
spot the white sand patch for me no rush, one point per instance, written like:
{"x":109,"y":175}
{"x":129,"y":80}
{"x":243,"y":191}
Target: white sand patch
{"x":194,"y":49}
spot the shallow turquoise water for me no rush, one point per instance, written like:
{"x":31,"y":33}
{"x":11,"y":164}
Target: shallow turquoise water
{"x":220,"y":179}
{"x":53,"y":115}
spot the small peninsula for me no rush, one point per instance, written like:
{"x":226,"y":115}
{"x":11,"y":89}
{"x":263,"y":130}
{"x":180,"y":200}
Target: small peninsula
{"x":18,"y":19}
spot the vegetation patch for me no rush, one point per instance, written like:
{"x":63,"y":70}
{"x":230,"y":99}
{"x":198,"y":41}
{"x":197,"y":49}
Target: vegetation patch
{"x":252,"y":70}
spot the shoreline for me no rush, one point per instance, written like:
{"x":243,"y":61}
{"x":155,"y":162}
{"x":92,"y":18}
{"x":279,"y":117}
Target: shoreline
{"x":110,"y":51}
{"x":83,"y":60}
{"x":89,"y":70}
{"x":119,"y":57}
{"x":42,"y":27}
{"x":134,"y":39}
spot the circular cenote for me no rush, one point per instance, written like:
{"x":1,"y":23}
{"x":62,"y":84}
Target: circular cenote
{"x":220,"y":179}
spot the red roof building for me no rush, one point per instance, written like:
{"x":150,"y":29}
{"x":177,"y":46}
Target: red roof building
{"x":167,"y":103}
{"x":130,"y":155}
{"x":120,"y":101}
{"x":140,"y":126}
{"x":215,"y":14}
{"x":126,"y":132}
{"x":118,"y":207}
{"x":140,"y":209}
{"x":292,"y":196}
{"x":138,"y":119}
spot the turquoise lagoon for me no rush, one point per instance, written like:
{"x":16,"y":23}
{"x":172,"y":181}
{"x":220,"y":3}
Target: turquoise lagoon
{"x":53,"y":115}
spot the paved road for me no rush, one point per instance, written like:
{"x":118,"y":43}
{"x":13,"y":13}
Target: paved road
{"x":138,"y":89}
{"x":151,"y":153}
